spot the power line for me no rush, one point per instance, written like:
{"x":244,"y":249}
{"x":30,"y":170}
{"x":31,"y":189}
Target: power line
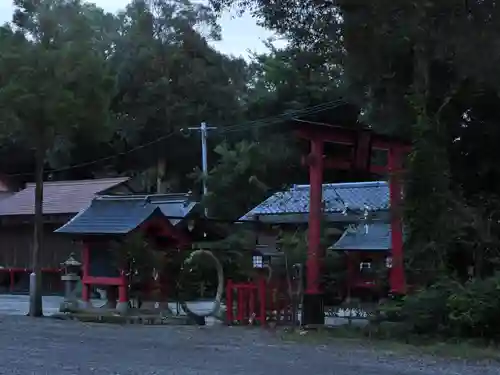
{"x":244,"y":126}
{"x":281,"y":117}
{"x":97,"y":161}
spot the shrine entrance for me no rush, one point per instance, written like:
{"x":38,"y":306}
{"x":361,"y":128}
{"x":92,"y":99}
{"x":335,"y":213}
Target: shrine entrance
{"x":356,"y":146}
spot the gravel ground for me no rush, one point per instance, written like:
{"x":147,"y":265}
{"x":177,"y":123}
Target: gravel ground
{"x":47,"y":346}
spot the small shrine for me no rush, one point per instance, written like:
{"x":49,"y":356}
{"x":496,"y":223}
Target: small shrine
{"x":171,"y":221}
{"x":367,"y":247}
{"x":357,"y":215}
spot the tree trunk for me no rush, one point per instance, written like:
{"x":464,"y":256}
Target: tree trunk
{"x":160,"y":175}
{"x":36,"y":308}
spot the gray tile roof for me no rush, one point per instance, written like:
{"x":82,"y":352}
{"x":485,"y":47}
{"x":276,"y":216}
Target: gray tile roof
{"x":356,"y":196}
{"x":59,"y":197}
{"x":122,"y":214}
{"x":372,"y":237}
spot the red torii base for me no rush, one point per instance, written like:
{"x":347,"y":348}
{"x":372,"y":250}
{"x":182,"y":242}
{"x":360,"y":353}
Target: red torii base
{"x":361,"y":143}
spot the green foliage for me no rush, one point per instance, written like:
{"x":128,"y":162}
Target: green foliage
{"x":450,"y":309}
{"x":425,"y":71}
{"x":55,"y":84}
{"x":170,"y":78}
{"x":413,"y":68}
{"x":77,"y":83}
{"x":247,"y":172}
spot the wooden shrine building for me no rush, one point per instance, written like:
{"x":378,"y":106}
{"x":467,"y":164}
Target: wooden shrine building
{"x":357,"y":215}
{"x":173,"y":221}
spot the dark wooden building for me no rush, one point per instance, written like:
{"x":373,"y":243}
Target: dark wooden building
{"x":62,"y":201}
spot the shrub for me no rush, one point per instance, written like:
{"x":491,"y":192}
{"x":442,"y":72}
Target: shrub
{"x":448,"y":308}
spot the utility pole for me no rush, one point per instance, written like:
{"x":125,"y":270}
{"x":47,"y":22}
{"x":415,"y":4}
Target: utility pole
{"x":203,"y":128}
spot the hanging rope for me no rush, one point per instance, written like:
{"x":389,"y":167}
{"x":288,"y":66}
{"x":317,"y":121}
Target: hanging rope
{"x":220,"y":284}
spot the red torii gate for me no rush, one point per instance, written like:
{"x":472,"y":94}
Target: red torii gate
{"x":361,"y":143}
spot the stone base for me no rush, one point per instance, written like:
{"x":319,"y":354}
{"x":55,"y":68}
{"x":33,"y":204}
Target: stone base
{"x":84,"y":304}
{"x":122,"y":307}
{"x":109,"y":304}
{"x":313,"y":310}
{"x":69,"y":306}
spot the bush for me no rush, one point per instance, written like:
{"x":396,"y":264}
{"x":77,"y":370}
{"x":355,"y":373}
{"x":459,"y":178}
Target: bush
{"x":450,"y":309}
{"x":473,"y":310}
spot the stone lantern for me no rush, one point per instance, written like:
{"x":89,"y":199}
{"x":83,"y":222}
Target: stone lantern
{"x":71,"y":267}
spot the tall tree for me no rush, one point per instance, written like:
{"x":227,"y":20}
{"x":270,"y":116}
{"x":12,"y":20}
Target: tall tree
{"x":55,"y":82}
{"x":169,"y":78}
{"x":425,"y":70}
{"x":260,"y":156}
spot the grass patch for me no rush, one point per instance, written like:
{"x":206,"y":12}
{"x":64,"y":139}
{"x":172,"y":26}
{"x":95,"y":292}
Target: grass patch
{"x":370,"y":338}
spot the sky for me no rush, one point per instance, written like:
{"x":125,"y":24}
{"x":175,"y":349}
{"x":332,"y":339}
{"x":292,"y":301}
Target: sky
{"x":239,"y":34}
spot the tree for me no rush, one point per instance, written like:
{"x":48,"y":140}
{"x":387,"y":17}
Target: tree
{"x":55,"y":82}
{"x":169,"y":78}
{"x":261,"y":156}
{"x":422,"y":70}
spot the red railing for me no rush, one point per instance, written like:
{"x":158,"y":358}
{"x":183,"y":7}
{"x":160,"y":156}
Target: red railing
{"x":13,"y":271}
{"x":256,"y":302}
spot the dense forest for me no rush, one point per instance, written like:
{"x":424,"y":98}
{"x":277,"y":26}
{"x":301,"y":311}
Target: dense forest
{"x":84,"y":93}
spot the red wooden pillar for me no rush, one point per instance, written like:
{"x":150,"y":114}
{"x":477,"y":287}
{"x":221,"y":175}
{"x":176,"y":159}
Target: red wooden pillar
{"x":350,"y":274}
{"x":122,"y":305}
{"x":12,"y":280}
{"x":397,"y":273}
{"x":263,"y":299}
{"x":229,"y":302}
{"x":86,"y":273}
{"x":240,"y":295}
{"x":313,"y":299}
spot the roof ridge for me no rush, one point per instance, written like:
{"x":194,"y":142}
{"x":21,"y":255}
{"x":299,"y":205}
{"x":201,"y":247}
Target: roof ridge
{"x":344,"y":184}
{"x":143,"y":196}
{"x":81,"y":182}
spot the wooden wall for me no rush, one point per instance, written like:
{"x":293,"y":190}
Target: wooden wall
{"x":16,"y":245}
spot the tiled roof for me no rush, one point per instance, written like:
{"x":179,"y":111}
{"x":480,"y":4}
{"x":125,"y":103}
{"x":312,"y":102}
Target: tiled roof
{"x":371,"y":237}
{"x":59,"y":197}
{"x":356,"y":196}
{"x":6,"y":194}
{"x":122,"y":214}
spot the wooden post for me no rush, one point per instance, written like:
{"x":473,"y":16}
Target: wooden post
{"x":12,"y":280}
{"x":122,"y":305}
{"x":229,"y":302}
{"x":313,"y":310}
{"x":363,"y":152}
{"x":86,"y":273}
{"x":350,"y":275}
{"x":252,"y":312}
{"x":397,"y":273}
{"x":262,"y":299}
{"x":240,"y":294}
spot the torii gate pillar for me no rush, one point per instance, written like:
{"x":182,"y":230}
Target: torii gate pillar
{"x":313,"y":307}
{"x":362,"y":142}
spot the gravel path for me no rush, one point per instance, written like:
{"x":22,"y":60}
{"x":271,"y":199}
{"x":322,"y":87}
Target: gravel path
{"x":46,"y":346}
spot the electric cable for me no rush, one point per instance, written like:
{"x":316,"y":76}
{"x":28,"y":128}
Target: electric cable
{"x":249,"y":125}
{"x":244,"y":126}
{"x":96,"y":161}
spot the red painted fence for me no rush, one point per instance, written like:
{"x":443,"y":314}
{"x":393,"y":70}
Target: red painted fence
{"x":13,"y":273}
{"x":256,"y":303}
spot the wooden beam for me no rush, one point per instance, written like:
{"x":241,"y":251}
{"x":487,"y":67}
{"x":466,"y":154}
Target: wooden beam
{"x":363,"y":151}
{"x":349,"y":137}
{"x":346,"y":164}
{"x":337,"y":136}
